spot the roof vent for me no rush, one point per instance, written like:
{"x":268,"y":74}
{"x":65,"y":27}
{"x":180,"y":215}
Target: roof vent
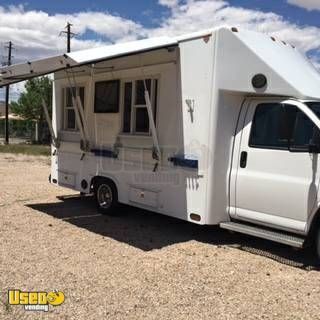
{"x":233,"y":29}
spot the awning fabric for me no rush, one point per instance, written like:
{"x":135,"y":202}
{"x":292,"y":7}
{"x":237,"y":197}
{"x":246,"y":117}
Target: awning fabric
{"x":20,"y":72}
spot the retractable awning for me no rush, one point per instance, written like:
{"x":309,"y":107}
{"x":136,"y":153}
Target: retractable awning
{"x":28,"y":70}
{"x":20,"y":72}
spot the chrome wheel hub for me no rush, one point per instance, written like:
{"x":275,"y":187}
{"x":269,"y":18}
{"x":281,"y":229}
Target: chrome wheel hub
{"x":104,"y":195}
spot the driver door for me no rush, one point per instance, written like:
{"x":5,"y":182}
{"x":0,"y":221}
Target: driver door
{"x":277,"y":177}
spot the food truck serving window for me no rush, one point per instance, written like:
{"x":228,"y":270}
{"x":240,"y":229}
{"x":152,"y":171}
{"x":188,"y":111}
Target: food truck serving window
{"x":106,"y":96}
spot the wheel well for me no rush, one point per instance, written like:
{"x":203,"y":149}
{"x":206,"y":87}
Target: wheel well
{"x":314,"y":227}
{"x":95,"y":179}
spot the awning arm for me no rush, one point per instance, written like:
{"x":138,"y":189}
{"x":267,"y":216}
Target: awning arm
{"x":82,"y":115}
{"x":78,"y":110}
{"x":156,"y":154}
{"x":55,"y":140}
{"x":157,"y":151}
{"x":84,"y":144}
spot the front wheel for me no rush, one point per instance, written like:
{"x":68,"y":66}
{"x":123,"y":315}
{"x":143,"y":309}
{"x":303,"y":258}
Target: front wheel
{"x":106,"y":196}
{"x":317,"y":244}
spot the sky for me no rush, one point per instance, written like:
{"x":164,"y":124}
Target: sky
{"x":34,"y":26}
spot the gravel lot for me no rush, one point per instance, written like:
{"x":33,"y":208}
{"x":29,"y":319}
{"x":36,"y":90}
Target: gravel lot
{"x":138,"y":265}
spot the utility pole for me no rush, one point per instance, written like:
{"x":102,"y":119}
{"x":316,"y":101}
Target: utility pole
{"x":69,"y":35}
{"x":9,"y":47}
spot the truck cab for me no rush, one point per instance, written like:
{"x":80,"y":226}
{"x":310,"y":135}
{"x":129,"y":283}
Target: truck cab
{"x":275,"y":171}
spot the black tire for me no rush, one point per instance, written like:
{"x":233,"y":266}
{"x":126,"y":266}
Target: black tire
{"x":316,"y":243}
{"x":106,"y":196}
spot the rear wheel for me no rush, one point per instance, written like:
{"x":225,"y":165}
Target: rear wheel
{"x":106,"y":196}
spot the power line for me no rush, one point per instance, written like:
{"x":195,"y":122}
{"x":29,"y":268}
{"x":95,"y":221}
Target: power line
{"x":9,"y":47}
{"x":69,"y":35}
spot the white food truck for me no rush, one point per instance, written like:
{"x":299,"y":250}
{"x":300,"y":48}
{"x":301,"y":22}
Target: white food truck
{"x":219,"y":127}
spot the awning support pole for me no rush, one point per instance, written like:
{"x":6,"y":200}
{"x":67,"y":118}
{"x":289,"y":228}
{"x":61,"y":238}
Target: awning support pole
{"x":80,"y":118}
{"x":156,"y":154}
{"x":157,"y":151}
{"x":84,"y":145}
{"x":55,"y":140}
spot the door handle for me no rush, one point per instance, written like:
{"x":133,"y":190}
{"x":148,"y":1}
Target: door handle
{"x":243,"y":159}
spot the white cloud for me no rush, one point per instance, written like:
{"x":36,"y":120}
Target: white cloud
{"x":194,"y":15}
{"x":31,"y":41}
{"x":169,"y":3}
{"x":36,"y":33}
{"x":306,"y":4}
{"x":15,"y":90}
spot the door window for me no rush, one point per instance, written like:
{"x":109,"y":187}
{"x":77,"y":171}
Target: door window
{"x":283,"y":127}
{"x":268,"y":127}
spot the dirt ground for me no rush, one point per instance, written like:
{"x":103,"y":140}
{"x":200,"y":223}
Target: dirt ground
{"x":138,"y":265}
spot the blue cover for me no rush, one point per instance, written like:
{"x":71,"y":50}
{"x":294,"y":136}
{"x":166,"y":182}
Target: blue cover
{"x":104,"y":153}
{"x":182,"y":161}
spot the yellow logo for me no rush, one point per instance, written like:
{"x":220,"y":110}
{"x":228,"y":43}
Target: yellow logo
{"x":35,"y":301}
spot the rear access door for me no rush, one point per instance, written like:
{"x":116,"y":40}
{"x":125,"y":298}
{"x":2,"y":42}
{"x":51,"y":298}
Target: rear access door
{"x":275,"y":179}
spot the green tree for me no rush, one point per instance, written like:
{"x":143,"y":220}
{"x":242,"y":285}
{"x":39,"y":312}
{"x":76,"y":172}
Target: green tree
{"x":29,"y":104}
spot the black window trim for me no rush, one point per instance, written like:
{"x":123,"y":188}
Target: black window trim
{"x":268,"y":147}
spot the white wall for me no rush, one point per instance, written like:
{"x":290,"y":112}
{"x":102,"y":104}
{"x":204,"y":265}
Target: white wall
{"x":197,"y":71}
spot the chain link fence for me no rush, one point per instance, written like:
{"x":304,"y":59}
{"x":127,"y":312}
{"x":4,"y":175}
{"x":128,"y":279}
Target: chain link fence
{"x":25,"y":131}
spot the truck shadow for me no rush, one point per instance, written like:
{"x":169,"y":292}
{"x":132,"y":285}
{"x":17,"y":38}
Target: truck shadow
{"x":148,"y":231}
